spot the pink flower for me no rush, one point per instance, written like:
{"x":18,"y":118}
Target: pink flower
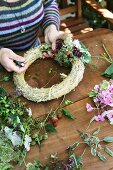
{"x":105,"y":97}
{"x":99,"y":118}
{"x":111,"y":88}
{"x":96,"y":87}
{"x":89,"y":107}
{"x":108,"y":114}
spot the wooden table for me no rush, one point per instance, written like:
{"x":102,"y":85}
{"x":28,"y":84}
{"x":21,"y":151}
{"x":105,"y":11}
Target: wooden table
{"x":67,"y":133}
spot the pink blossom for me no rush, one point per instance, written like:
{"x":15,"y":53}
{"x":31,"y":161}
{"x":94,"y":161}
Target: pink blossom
{"x":111,"y":88}
{"x":89,"y":107}
{"x":105,"y":97}
{"x":108,"y":114}
{"x":96,"y":87}
{"x":99,"y":118}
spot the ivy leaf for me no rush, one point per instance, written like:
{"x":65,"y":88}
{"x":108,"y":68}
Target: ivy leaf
{"x":108,"y":151}
{"x":109,"y":72}
{"x":3,"y":93}
{"x":108,"y":139}
{"x":67,"y":113}
{"x":50,"y":128}
{"x":101,"y":157}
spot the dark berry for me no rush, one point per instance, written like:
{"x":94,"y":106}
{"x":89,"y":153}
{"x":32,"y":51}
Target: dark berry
{"x":76,"y":52}
{"x":59,"y":44}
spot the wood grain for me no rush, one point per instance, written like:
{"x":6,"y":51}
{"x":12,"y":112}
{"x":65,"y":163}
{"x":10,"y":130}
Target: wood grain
{"x":67,"y":130}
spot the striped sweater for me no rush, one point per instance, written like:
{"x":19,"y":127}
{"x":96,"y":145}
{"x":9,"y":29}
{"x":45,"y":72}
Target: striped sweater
{"x":31,"y":14}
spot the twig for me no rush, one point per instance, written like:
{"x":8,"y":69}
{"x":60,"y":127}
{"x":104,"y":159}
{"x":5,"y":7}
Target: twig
{"x":107,"y":53}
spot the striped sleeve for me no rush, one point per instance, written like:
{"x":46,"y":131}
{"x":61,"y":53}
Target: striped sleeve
{"x":51,"y":14}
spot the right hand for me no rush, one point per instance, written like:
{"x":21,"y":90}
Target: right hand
{"x":7,"y":58}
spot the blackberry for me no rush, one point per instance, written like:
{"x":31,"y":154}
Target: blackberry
{"x":59,"y":44}
{"x":76,"y":52}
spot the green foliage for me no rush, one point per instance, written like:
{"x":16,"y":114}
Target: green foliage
{"x":50,"y":128}
{"x":34,"y":166}
{"x":109,"y":72}
{"x":67,"y":113}
{"x":5,"y":166}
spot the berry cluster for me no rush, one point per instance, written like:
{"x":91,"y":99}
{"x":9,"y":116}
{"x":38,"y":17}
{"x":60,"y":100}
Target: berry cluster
{"x":59,"y":44}
{"x":76,"y":51}
{"x":55,"y":119}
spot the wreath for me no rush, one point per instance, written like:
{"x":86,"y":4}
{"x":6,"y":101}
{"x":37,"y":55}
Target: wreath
{"x":68,"y":53}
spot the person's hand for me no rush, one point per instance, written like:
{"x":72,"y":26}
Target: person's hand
{"x":7,"y":58}
{"x":51,"y":35}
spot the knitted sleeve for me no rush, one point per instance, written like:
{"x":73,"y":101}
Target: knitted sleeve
{"x":51,"y":14}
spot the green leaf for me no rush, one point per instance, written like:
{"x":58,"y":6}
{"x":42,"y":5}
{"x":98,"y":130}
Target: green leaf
{"x":86,"y":58}
{"x":5,"y":78}
{"x":74,"y":145}
{"x":46,"y":168}
{"x":108,"y":151}
{"x":108,"y":139}
{"x":76,"y":165}
{"x":50,"y":128}
{"x":93,"y":93}
{"x":5,"y":166}
{"x":93,"y":151}
{"x":96,"y":132}
{"x":3,"y":93}
{"x":67,"y":113}
{"x":101,"y":157}
{"x":109,"y":72}
{"x":104,"y":85}
{"x":67,"y":102}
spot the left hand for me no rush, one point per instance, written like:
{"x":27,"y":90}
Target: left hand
{"x":52,"y":34}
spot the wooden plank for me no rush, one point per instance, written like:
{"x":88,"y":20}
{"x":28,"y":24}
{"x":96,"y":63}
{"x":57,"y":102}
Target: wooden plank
{"x":97,"y":32}
{"x":67,"y":133}
{"x":71,"y":22}
{"x":105,"y":13}
{"x":79,"y":8}
{"x":38,"y":76}
{"x":76,"y":28}
{"x":67,"y":10}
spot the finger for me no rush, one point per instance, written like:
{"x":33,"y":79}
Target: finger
{"x":64,"y":35}
{"x":18,"y":69}
{"x":54,"y":45}
{"x":18,"y":58}
{"x":22,"y":69}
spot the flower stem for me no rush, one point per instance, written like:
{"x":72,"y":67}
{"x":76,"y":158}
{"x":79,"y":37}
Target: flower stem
{"x":107,"y":53}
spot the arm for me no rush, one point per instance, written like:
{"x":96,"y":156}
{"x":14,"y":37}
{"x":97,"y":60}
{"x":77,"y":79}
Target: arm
{"x":51,"y":14}
{"x":51,"y":23}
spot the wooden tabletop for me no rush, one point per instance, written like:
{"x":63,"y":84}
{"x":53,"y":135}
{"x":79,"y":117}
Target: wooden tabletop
{"x":37,"y":75}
